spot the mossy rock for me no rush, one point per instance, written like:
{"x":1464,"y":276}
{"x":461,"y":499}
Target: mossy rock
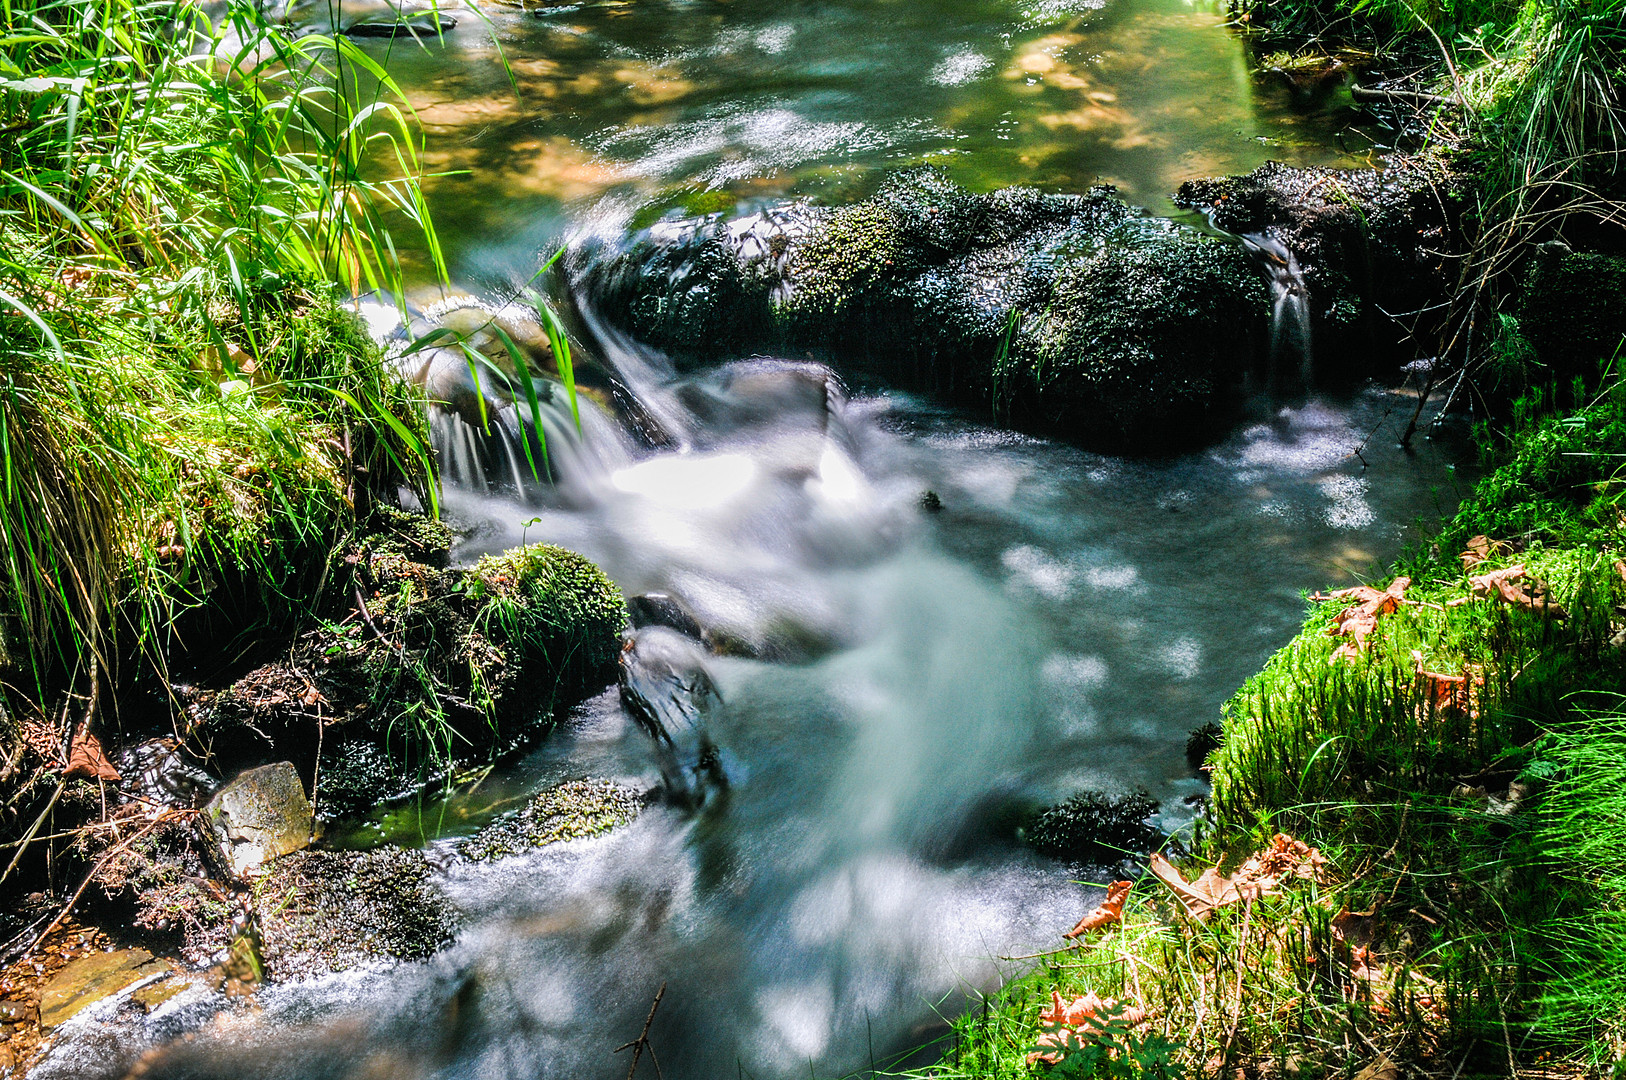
{"x":930,"y":287}
{"x":574,"y":810}
{"x":1571,"y":311}
{"x":1368,"y":241}
{"x":555,"y":613}
{"x":430,"y":672}
{"x":323,"y":911}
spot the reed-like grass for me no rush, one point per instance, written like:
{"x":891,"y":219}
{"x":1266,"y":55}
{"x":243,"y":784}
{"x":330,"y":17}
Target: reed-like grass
{"x":185,"y":407}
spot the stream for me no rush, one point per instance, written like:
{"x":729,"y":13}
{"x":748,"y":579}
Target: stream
{"x":1062,"y":622}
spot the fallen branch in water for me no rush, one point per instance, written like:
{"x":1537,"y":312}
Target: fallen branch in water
{"x":641,"y":1043}
{"x":1407,"y":97}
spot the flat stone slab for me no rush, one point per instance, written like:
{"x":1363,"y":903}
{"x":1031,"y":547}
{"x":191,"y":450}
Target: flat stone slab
{"x":94,"y":978}
{"x":259,"y":816}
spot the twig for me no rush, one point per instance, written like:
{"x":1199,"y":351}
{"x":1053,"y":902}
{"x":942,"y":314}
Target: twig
{"x":32,"y":829}
{"x":85,"y":884}
{"x":641,"y":1043}
{"x":367,"y":617}
{"x":1411,"y":97}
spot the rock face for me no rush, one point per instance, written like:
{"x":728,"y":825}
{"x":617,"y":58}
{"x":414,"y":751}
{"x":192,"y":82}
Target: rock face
{"x":1077,"y":315}
{"x":260,"y":815}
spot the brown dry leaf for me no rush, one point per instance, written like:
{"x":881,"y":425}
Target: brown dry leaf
{"x":1106,"y":913}
{"x":1358,"y":621}
{"x":88,"y":760}
{"x":1457,"y":692}
{"x":1258,"y":876}
{"x":1480,"y":548}
{"x":1381,"y":1069}
{"x":1514,"y":585}
{"x":1082,"y":1020}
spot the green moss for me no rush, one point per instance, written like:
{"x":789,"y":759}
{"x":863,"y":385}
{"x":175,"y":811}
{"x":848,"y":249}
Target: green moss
{"x":571,"y":811}
{"x":555,"y":611}
{"x":855,"y":249}
{"x":1571,"y":312}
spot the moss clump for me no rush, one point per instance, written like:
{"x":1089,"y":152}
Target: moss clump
{"x":323,"y":911}
{"x":416,"y":673}
{"x":1570,"y":311}
{"x":1094,"y":828}
{"x":556,"y":613}
{"x":854,"y":249}
{"x":572,"y":811}
{"x":1149,"y":331}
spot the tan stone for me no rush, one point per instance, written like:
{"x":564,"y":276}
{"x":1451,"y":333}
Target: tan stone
{"x":94,"y":978}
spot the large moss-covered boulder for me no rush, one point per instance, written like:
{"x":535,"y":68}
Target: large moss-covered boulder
{"x":1570,"y":311}
{"x":416,"y":672}
{"x":1073,"y":314}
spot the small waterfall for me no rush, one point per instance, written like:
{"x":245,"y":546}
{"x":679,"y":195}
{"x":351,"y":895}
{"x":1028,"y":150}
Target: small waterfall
{"x":1290,"y":304}
{"x":484,"y":431}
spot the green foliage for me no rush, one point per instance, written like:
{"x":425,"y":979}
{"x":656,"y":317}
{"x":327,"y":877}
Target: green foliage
{"x":1560,"y":476}
{"x":1581,"y":838}
{"x":183,"y":400}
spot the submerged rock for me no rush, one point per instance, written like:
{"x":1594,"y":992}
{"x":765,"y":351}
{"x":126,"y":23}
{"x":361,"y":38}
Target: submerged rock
{"x":260,"y":815}
{"x":667,"y":690}
{"x":322,"y":911}
{"x":573,"y":810}
{"x":1077,"y":315}
{"x":89,"y":979}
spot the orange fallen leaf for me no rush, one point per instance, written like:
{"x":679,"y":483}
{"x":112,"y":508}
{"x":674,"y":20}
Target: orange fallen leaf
{"x":1106,"y":913}
{"x":1075,"y":1023}
{"x":1515,"y":586}
{"x":1478,"y":549}
{"x":1258,"y":876}
{"x":1359,"y":620}
{"x":1439,"y":691}
{"x":87,"y":759}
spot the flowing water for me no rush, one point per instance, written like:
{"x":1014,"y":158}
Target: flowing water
{"x":1061,"y":622}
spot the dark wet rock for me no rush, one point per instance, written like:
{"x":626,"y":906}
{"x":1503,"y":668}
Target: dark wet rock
{"x":321,"y":911}
{"x":157,"y":774}
{"x":1570,"y":310}
{"x":1201,"y":743}
{"x":573,"y":810}
{"x":931,"y":502}
{"x":1077,"y":315}
{"x":418,"y":671}
{"x":259,"y":816}
{"x":417,"y":24}
{"x":664,"y":609}
{"x":1094,"y":828}
{"x":667,"y":690}
{"x":1369,"y":241}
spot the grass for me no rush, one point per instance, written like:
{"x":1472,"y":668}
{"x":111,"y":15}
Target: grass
{"x":184,"y":401}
